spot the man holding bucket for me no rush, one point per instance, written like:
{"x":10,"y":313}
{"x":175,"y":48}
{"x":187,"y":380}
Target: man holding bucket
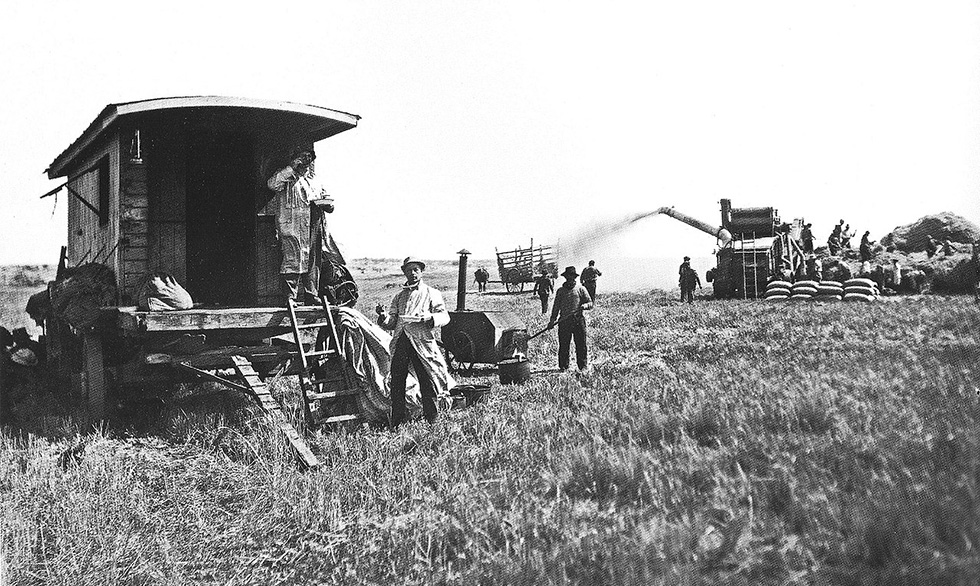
{"x":414,"y":314}
{"x":570,"y":300}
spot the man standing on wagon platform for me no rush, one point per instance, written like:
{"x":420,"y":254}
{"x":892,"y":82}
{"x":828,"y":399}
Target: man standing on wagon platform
{"x":570,"y":300}
{"x":301,"y":204}
{"x":414,"y":314}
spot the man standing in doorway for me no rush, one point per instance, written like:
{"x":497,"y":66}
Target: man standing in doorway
{"x":544,"y":288}
{"x":414,"y":314}
{"x":571,"y":300}
{"x":590,"y":275}
{"x":301,"y":225}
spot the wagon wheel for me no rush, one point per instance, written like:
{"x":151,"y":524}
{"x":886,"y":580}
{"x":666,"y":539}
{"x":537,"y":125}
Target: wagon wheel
{"x":462,"y":357}
{"x":513,"y":281}
{"x":515,"y":287}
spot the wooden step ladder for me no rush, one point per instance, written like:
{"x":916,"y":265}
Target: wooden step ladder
{"x":329,"y":396}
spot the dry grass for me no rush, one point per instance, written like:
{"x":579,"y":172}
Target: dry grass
{"x":732,"y":442}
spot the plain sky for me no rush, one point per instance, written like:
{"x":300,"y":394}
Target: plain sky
{"x":486,"y":124}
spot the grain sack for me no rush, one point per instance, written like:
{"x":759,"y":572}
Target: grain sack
{"x":804,"y":289}
{"x":159,"y":291}
{"x":858,"y":297}
{"x":860,"y":289}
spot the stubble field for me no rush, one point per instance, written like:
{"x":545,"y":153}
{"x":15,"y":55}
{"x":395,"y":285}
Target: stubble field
{"x":724,"y":442}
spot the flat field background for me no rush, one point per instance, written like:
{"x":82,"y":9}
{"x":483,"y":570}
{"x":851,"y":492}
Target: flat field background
{"x":721,"y":442}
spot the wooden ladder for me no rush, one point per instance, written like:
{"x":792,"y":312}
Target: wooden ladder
{"x":328,"y":393}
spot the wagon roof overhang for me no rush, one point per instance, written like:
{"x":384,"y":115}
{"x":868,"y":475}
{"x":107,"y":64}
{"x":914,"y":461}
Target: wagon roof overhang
{"x":325,"y":122}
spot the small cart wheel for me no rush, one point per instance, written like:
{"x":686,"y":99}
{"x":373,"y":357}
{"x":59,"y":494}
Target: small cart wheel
{"x":461,"y":358}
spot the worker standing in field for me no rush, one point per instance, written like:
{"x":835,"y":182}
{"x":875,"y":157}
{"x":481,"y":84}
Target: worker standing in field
{"x":687,"y":280}
{"x":571,"y":300}
{"x":866,"y":244}
{"x":590,"y":275}
{"x":414,"y":314}
{"x":806,"y":236}
{"x":544,"y":287}
{"x":301,"y":204}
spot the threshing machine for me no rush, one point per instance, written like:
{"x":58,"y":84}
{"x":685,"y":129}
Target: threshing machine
{"x":753,"y":245}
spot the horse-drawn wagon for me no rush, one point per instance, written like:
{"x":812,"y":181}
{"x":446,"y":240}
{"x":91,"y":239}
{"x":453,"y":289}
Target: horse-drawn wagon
{"x":520,"y":266}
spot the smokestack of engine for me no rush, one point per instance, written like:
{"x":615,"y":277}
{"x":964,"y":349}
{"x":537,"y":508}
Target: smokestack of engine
{"x":461,"y":283}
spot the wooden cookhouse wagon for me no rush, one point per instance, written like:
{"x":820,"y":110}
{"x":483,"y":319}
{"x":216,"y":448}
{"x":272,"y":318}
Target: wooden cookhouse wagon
{"x":179,"y":185}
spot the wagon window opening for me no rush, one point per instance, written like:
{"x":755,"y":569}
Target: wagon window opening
{"x":103,"y":173}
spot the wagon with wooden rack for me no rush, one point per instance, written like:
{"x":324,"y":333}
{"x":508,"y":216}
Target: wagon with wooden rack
{"x":179,"y":185}
{"x":520,"y":266}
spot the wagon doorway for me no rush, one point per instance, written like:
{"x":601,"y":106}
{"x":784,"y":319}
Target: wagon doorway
{"x":220,"y":219}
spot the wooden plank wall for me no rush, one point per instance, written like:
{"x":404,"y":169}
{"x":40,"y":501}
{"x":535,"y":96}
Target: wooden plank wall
{"x":87,"y":240}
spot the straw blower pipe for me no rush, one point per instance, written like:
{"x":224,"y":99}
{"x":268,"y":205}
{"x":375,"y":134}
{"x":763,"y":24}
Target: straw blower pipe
{"x":721,"y":233}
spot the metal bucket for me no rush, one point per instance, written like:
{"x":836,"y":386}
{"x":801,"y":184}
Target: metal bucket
{"x":471,"y":393}
{"x":514,"y":370}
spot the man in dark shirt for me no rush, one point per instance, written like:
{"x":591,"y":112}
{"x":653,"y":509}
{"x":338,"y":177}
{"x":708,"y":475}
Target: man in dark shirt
{"x":866,"y":244}
{"x":544,"y":288}
{"x":688,"y":280}
{"x":806,"y":236}
{"x":570,"y":300}
{"x":589,"y":276}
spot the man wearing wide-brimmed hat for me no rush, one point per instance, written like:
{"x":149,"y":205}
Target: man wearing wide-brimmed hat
{"x":300,"y":207}
{"x":414,"y":314}
{"x":570,"y":300}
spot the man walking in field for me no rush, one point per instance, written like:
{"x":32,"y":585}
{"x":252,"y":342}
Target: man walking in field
{"x":544,"y":288}
{"x":571,"y":300}
{"x":590,"y":275}
{"x":688,"y":280}
{"x":414,"y":314}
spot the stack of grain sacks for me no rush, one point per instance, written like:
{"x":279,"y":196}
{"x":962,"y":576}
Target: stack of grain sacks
{"x":778,"y":291}
{"x":805,"y":291}
{"x":860,"y":290}
{"x":830,"y":291}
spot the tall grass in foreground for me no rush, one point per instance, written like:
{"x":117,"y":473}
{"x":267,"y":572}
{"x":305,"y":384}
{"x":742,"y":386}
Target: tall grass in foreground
{"x":729,"y":442}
